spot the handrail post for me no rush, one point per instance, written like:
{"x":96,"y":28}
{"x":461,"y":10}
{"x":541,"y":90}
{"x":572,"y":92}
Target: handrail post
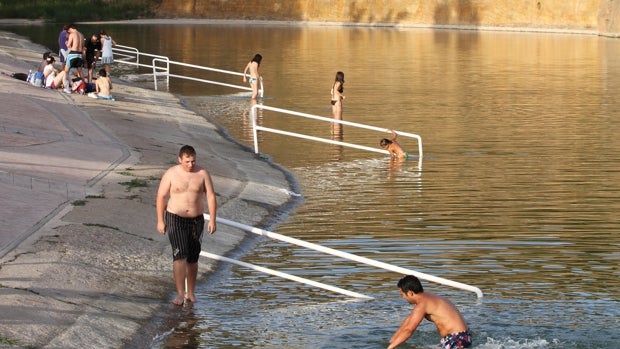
{"x":253,"y":113}
{"x":154,"y":73}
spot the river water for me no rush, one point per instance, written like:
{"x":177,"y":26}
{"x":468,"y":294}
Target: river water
{"x":517,"y":193}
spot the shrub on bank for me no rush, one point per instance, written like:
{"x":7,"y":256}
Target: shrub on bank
{"x":67,"y":11}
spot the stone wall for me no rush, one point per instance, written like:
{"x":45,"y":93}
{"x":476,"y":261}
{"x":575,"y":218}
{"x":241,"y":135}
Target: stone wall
{"x":597,"y":16}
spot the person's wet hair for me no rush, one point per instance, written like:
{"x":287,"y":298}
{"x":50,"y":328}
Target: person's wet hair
{"x":410,"y":283}
{"x":257,"y":58}
{"x":384,"y":142}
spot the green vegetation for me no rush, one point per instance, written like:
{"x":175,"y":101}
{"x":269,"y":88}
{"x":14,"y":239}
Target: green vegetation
{"x":7,"y":341}
{"x":135,"y":183}
{"x":67,"y":11}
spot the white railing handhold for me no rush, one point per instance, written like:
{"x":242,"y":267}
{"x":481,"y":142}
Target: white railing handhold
{"x":285,"y":275}
{"x":256,"y":127}
{"x":131,"y":55}
{"x":349,"y":256}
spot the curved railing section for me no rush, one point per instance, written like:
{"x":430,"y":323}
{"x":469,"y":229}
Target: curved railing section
{"x":162,"y":66}
{"x":256,"y":128}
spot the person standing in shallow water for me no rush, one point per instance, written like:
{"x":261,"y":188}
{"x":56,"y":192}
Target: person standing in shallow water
{"x":182,"y":218}
{"x":449,"y":322}
{"x":252,"y":68}
{"x":337,"y":95}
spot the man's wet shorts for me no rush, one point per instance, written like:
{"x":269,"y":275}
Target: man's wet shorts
{"x":185,"y":236}
{"x":456,"y":340}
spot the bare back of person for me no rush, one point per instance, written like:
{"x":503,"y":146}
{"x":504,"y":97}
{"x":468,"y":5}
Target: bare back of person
{"x":443,"y":314}
{"x":450,"y":324}
{"x":253,"y":70}
{"x":103,"y":86}
{"x":75,"y":41}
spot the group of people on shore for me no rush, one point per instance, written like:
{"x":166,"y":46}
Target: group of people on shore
{"x":76,"y":54}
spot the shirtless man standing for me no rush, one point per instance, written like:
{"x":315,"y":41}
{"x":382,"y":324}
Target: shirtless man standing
{"x":75,"y":46}
{"x":182,"y":217}
{"x":450,"y":323}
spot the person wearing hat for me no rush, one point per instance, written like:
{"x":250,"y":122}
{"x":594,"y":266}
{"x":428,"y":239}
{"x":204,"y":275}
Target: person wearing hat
{"x":54,"y":79}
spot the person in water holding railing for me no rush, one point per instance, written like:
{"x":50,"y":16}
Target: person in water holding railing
{"x":252,"y":68}
{"x":450,"y":324}
{"x":396,"y":151}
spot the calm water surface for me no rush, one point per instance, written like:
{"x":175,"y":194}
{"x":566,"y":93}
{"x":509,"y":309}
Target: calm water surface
{"x":518,"y":191}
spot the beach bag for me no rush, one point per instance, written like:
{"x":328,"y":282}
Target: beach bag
{"x":20,"y":76}
{"x":36,"y":78}
{"x":79,"y":87}
{"x":90,"y":87}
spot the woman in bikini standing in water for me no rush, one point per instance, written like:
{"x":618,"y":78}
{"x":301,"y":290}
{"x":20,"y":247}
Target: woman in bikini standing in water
{"x":337,"y":95}
{"x":254,"y":75}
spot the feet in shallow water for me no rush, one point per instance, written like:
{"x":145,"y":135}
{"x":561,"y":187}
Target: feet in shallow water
{"x":178,"y":301}
{"x":191,"y":299}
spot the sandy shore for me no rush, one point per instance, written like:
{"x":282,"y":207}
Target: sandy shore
{"x":81,"y":264}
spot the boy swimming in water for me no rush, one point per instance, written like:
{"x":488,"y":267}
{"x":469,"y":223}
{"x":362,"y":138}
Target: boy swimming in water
{"x":396,"y":151}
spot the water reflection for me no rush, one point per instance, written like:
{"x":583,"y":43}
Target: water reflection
{"x":518,"y":195}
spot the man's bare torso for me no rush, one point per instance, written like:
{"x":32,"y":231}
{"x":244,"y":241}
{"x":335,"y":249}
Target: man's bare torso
{"x":75,"y":41}
{"x":445,"y":316}
{"x":187,"y":191}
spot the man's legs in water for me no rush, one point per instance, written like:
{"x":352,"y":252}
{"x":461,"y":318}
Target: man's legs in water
{"x":179,"y":269}
{"x":192,"y":274}
{"x":182,"y":270}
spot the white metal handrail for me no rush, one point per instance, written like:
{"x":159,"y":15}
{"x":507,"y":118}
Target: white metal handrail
{"x":198,"y":67}
{"x":256,"y":127}
{"x":349,"y":256}
{"x":285,"y":275}
{"x":132,"y":56}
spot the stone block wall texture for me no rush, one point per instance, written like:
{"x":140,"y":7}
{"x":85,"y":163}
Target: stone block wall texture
{"x":597,"y":16}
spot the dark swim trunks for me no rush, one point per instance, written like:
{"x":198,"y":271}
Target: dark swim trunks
{"x":185,"y":235}
{"x":74,"y":59}
{"x":456,"y":340}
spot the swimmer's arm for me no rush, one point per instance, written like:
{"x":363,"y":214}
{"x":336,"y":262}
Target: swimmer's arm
{"x":394,"y":135}
{"x":406,"y":329}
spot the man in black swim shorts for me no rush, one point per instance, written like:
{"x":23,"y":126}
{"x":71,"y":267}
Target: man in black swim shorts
{"x":185,"y":235}
{"x":186,"y":185}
